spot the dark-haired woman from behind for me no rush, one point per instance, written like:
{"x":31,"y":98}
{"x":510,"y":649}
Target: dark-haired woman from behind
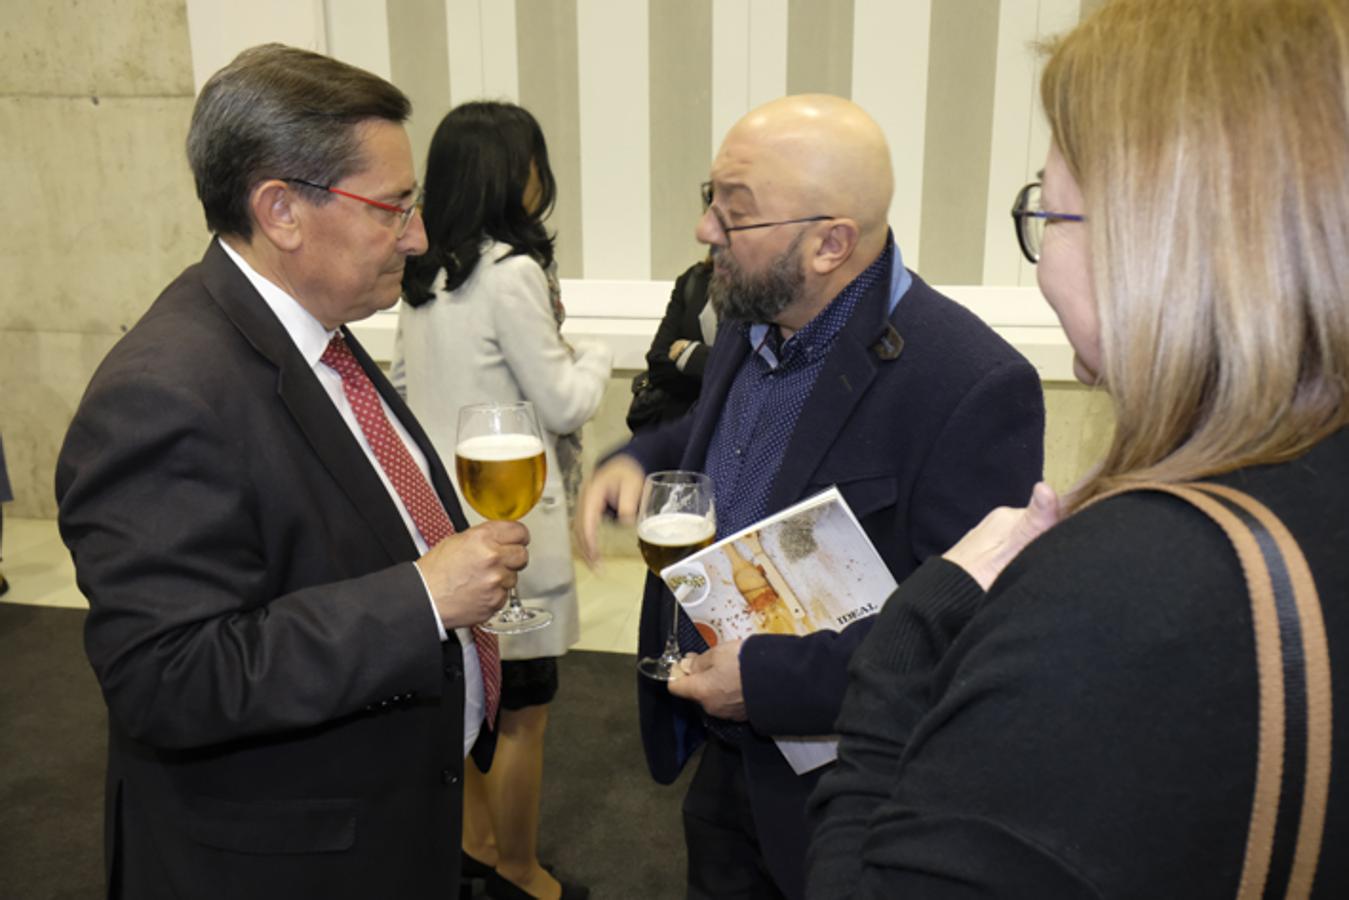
{"x":481,"y":322}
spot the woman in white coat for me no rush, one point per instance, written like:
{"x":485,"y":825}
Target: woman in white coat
{"x":481,"y":322}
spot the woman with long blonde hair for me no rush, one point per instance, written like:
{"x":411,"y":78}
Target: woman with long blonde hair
{"x":1068,"y":703}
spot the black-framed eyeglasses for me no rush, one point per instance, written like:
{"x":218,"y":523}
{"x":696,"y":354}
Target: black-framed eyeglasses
{"x":404,"y":213}
{"x":1030,"y":220}
{"x":707,"y":196}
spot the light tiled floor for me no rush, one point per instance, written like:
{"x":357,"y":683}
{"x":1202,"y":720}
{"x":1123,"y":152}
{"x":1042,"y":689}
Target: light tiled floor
{"x":40,"y":573}
{"x":37,"y":565}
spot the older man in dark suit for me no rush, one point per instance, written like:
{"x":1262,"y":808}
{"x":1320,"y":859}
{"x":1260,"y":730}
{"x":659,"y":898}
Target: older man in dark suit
{"x":282,"y":588}
{"x":834,"y":365}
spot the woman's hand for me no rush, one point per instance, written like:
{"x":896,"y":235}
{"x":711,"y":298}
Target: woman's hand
{"x":987,"y":549}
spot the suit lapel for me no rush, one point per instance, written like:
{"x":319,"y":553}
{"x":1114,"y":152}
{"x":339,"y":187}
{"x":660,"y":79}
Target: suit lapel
{"x":308,"y":403}
{"x":716,"y":385}
{"x":847,"y":373}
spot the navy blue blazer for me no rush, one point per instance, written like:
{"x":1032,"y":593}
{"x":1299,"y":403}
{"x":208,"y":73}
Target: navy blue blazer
{"x":925,"y":419}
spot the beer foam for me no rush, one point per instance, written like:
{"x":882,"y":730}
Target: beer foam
{"x":675,"y":529}
{"x":499,"y":447}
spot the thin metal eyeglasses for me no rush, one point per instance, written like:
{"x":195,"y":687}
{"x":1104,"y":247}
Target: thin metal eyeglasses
{"x":1029,"y":220}
{"x":706,"y":188}
{"x":404,"y":212}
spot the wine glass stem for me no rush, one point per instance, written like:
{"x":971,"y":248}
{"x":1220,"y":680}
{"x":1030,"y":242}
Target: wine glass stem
{"x":672,"y":641}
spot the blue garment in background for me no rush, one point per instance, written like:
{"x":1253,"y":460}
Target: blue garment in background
{"x":6,"y":492}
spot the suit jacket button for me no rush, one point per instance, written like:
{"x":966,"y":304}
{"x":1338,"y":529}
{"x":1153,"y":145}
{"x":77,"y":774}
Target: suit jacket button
{"x":447,"y":776}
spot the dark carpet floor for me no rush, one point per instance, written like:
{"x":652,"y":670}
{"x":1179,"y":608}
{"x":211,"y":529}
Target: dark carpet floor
{"x":605,"y":822}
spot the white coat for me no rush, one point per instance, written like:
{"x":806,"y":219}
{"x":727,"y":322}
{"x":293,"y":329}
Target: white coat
{"x":495,"y":339}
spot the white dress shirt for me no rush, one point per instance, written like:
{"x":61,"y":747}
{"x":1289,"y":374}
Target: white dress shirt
{"x":311,"y":339}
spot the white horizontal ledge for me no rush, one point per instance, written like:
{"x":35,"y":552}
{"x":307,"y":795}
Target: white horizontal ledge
{"x":625,"y":314}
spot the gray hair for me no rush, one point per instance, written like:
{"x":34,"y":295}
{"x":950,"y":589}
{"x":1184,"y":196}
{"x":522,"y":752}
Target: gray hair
{"x":280,"y":112}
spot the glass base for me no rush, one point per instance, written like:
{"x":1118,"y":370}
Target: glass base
{"x":660,"y":668}
{"x":517,"y":620}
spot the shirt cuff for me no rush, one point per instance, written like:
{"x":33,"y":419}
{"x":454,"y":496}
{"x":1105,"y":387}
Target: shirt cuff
{"x":435,"y":614}
{"x":684,"y":357}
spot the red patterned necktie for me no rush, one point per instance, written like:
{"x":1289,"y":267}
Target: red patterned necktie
{"x":427,"y":512}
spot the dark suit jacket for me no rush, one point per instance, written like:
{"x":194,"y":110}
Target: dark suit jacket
{"x":681,"y":321}
{"x":922,"y":445}
{"x":283,"y":720}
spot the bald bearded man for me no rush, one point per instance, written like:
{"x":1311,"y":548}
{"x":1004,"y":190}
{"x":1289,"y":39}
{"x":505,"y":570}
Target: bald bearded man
{"x":838,"y":366}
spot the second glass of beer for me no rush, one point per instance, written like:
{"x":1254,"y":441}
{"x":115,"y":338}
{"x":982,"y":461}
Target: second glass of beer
{"x":674,"y":519}
{"x":500,"y":463}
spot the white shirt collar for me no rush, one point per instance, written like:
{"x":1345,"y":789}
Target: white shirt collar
{"x":306,"y":331}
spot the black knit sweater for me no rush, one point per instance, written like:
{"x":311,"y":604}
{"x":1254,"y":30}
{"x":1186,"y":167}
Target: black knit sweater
{"x":1088,"y":727}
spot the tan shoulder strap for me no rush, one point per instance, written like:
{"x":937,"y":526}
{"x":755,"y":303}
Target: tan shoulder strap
{"x":1283,"y":843}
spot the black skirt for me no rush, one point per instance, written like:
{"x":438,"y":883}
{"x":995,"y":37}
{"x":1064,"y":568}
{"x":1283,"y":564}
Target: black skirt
{"x":528,"y":682}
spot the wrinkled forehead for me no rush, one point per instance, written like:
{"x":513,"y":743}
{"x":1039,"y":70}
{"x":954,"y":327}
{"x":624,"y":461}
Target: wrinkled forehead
{"x":385,"y":158}
{"x":754,"y":171}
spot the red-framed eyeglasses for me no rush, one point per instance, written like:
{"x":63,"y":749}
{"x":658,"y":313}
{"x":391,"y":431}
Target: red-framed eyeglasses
{"x":404,"y":213}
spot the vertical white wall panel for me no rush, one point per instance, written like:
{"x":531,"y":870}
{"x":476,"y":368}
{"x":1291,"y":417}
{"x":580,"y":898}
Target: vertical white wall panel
{"x":463,"y":40}
{"x":1055,"y":17}
{"x":613,"y":74}
{"x":218,"y":31}
{"x":500,"y":65}
{"x":358,"y":33}
{"x":730,"y":66}
{"x":1020,"y":135}
{"x":767,"y":51}
{"x":889,"y":81}
{"x":749,"y":59}
{"x":890,"y":63}
{"x":480,"y":35}
{"x":1009,"y":163}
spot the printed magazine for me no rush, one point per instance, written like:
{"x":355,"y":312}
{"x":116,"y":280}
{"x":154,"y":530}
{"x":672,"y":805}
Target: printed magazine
{"x":806,"y":568}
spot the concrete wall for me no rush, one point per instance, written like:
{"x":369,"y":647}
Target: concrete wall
{"x":99,"y":210}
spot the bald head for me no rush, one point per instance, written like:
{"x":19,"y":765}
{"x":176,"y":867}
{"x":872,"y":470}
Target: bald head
{"x":824,"y":153}
{"x":805,"y":183}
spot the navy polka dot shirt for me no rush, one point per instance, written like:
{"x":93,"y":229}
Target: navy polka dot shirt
{"x":766,"y":399}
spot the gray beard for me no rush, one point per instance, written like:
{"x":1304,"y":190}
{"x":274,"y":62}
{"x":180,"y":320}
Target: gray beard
{"x":736,"y":294}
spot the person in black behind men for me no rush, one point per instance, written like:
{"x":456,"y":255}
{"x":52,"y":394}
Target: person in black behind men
{"x":678,"y":354}
{"x":281,"y":583}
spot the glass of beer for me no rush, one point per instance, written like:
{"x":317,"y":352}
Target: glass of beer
{"x":674,"y":519}
{"x":500,"y":464}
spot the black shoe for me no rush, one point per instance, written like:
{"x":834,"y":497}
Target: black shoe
{"x":473,"y":868}
{"x":470,"y":870}
{"x":499,"y":888}
{"x":4,"y":585}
